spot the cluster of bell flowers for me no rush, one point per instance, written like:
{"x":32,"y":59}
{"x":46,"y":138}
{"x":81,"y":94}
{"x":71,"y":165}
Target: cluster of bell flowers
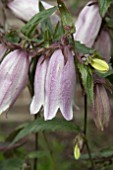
{"x":54,"y":84}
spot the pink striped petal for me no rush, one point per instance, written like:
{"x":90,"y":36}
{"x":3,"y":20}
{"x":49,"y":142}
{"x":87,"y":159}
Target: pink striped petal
{"x":52,"y":85}
{"x":67,"y":88}
{"x":13,"y":77}
{"x":88,"y":24}
{"x":38,"y":99}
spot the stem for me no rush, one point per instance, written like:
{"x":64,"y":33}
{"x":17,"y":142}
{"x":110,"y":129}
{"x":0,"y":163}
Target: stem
{"x":85,"y":131}
{"x":85,"y":114}
{"x":50,"y":151}
{"x":36,"y":147}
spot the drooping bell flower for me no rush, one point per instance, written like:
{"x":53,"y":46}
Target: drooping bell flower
{"x":60,"y":86}
{"x":101,"y":110}
{"x":39,"y":83}
{"x":88,"y":24}
{"x":55,"y":86}
{"x":3,"y":50}
{"x":13,"y":77}
{"x":26,"y":9}
{"x":103,"y":45}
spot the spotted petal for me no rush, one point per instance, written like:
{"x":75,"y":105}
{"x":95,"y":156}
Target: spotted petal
{"x":52,"y":85}
{"x":67,"y":88}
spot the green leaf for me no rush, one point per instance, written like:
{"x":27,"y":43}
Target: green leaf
{"x":67,"y":19}
{"x":41,"y":125}
{"x":31,"y":26}
{"x":104,"y":5}
{"x":11,"y":164}
{"x":58,"y":32}
{"x":87,"y":80}
{"x":81,"y":48}
{"x":47,"y":22}
{"x":109,"y":22}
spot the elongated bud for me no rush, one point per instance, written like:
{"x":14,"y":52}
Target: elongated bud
{"x":99,"y":65}
{"x":13,"y":77}
{"x":101,"y":110}
{"x":39,"y":84}
{"x":3,"y":50}
{"x":103,"y":45}
{"x":26,"y":9}
{"x":88,"y":24}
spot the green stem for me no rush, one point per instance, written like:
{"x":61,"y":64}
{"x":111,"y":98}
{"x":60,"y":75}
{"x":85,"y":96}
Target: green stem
{"x":85,"y":131}
{"x":85,"y":114}
{"x":50,"y":151}
{"x":36,"y":147}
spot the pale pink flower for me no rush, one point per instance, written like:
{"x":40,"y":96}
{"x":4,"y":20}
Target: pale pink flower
{"x":88,"y":24}
{"x":55,"y":86}
{"x":13,"y":77}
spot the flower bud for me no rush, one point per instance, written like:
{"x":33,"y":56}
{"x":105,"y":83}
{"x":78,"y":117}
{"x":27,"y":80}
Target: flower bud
{"x":3,"y":50}
{"x":103,"y":45}
{"x":101,"y":110}
{"x":13,"y":77}
{"x":26,"y":9}
{"x":79,"y":142}
{"x":99,"y":65}
{"x":88,"y":24}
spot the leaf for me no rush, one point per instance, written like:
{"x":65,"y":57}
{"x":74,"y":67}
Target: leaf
{"x":41,"y":125}
{"x":67,"y":19}
{"x":110,"y":72}
{"x":87,"y":80}
{"x":104,"y":5}
{"x":11,"y":164}
{"x":109,"y":22}
{"x":47,"y":22}
{"x":58,"y":32}
{"x":30,"y":27}
{"x":81,"y":48}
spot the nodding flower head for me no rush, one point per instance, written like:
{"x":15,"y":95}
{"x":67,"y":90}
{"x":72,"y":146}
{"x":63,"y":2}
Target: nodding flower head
{"x":13,"y":77}
{"x":55,"y":89}
{"x":88,"y":24}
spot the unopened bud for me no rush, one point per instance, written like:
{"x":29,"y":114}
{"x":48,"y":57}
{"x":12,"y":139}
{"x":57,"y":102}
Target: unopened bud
{"x":99,"y":65}
{"x":101,"y":110}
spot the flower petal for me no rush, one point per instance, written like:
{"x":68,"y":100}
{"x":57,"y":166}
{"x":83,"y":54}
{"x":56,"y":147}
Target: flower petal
{"x":52,"y":85}
{"x":40,"y":74}
{"x":88,"y":24}
{"x":13,"y":77}
{"x":67,"y":88}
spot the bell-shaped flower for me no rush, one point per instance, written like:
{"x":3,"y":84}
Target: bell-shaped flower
{"x":3,"y":50}
{"x":60,"y":86}
{"x":103,"y":45}
{"x":26,"y":9}
{"x":88,"y":24}
{"x":39,"y":83}
{"x":101,"y":110}
{"x":54,"y":85}
{"x":13,"y":77}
